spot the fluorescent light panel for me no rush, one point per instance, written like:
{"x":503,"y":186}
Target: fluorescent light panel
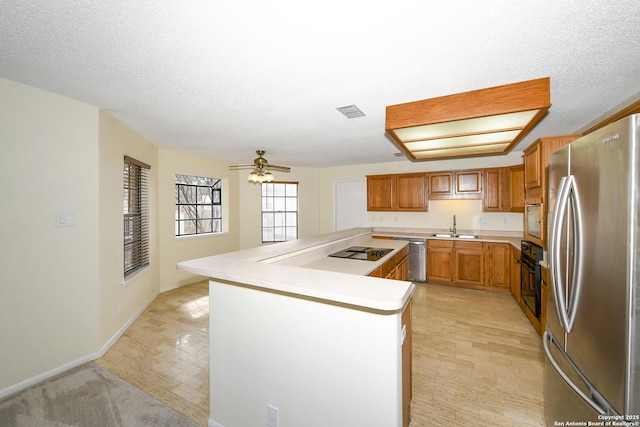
{"x":487,"y":124}
{"x":460,"y":151}
{"x":462,"y":141}
{"x":480,"y":122}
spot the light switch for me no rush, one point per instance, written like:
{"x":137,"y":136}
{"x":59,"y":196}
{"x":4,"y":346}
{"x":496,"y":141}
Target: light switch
{"x":65,"y":219}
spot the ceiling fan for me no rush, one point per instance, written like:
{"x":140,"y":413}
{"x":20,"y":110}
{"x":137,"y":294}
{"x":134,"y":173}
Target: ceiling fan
{"x":261,"y":169}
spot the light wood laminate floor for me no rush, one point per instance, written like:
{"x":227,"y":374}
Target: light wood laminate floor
{"x":477,"y":361}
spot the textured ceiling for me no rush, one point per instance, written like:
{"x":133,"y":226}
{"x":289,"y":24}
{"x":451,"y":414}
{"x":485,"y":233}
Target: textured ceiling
{"x":224,"y":78}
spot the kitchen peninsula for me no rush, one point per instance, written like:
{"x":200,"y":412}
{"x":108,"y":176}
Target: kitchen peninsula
{"x":307,"y":337}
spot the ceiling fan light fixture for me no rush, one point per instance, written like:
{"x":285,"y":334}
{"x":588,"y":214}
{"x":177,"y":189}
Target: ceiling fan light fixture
{"x":468,"y":123}
{"x":258,"y":176}
{"x":260,"y":169}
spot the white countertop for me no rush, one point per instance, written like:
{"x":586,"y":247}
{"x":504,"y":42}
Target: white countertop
{"x":302,"y":268}
{"x":513,"y":238}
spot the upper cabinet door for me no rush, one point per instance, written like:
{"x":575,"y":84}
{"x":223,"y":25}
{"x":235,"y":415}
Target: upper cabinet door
{"x":515,"y":188}
{"x":440,"y":184}
{"x":532,"y":166}
{"x":465,"y":184}
{"x":397,"y":192}
{"x":494,"y":199}
{"x":380,"y":193}
{"x":469,"y":182}
{"x":411,"y":192}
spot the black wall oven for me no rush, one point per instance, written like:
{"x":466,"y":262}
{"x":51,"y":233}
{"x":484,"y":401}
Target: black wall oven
{"x":531,"y":276}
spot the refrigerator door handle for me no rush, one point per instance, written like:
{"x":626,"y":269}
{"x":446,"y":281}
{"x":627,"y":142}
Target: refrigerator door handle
{"x":567,"y":199}
{"x":558,"y":285}
{"x":546,"y":340}
{"x":576,"y":279}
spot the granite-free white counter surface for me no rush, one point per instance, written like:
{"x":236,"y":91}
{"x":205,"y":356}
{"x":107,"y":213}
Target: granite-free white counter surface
{"x":513,"y":238}
{"x":302,"y":267}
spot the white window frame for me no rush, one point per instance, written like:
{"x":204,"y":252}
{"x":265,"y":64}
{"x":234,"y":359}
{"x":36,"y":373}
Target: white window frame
{"x":279,"y":200}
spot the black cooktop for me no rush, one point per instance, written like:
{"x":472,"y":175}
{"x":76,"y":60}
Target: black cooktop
{"x":362,"y":252}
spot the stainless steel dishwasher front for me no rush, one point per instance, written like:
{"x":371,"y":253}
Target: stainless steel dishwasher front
{"x":417,"y":258}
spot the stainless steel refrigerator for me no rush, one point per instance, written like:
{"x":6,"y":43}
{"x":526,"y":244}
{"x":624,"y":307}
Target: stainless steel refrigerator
{"x":592,"y":337}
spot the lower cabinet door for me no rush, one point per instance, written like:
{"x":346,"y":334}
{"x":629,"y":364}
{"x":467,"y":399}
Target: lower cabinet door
{"x":469,"y":267}
{"x":440,"y":265}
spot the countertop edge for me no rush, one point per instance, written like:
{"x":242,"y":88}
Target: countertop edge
{"x":245,"y":268}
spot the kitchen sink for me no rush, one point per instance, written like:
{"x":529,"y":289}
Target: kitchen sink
{"x":456,"y":236}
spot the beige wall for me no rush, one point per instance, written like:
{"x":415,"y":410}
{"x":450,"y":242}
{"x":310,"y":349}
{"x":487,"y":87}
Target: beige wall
{"x":116,"y":141}
{"x":176,"y":249}
{"x":48,"y":275}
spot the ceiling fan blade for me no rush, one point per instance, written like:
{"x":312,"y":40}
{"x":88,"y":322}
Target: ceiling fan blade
{"x":235,"y":167}
{"x":278,"y":168}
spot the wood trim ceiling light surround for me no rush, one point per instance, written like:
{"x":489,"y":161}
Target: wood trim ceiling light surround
{"x":480,"y":122}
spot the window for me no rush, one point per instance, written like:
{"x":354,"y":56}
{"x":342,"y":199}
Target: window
{"x":136,"y":216}
{"x":279,"y":211}
{"x":198,"y":205}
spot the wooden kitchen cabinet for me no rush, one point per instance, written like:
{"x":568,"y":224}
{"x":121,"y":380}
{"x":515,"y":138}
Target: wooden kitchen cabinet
{"x":536,"y":162}
{"x":402,"y":269}
{"x":455,"y":262}
{"x":497,"y":264}
{"x":395,"y":268}
{"x":440,"y":261}
{"x":515,"y":188}
{"x":440,"y":184}
{"x":515,"y":275}
{"x":397,"y":192}
{"x":411,"y":192}
{"x":481,"y":265}
{"x":532,"y":166}
{"x":469,"y":263}
{"x":468,"y":183}
{"x":503,"y":189}
{"x":495,"y":190}
{"x":536,"y":158}
{"x":460,"y":184}
{"x":380,"y":192}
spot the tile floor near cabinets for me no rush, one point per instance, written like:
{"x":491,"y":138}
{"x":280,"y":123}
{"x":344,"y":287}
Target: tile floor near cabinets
{"x":477,"y":361}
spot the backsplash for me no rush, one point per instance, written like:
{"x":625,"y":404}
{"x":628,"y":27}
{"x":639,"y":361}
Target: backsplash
{"x":469,"y":217}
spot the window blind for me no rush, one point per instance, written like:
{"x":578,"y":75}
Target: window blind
{"x":136,"y":216}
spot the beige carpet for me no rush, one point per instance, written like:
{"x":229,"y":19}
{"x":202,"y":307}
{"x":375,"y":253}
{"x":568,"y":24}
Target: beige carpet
{"x":87,"y":396}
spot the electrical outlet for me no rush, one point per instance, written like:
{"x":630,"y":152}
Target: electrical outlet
{"x":272,"y":416}
{"x":119,"y":311}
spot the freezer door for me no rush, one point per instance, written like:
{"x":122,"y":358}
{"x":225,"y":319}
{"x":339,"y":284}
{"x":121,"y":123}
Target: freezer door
{"x":598,"y":340}
{"x":567,"y":395}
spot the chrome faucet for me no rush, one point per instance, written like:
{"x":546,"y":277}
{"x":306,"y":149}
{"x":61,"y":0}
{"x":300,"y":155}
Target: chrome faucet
{"x":453,"y":230}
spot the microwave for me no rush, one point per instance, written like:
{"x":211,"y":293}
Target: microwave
{"x":534,"y":216}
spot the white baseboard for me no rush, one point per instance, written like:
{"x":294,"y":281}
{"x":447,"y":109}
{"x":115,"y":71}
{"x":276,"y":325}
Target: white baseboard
{"x":212,"y":423}
{"x":15,"y":388}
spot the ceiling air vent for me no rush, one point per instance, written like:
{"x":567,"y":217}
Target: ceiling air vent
{"x":351,"y":112}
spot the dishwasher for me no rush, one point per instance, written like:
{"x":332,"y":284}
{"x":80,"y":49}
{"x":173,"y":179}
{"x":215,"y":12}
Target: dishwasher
{"x":417,"y":258}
